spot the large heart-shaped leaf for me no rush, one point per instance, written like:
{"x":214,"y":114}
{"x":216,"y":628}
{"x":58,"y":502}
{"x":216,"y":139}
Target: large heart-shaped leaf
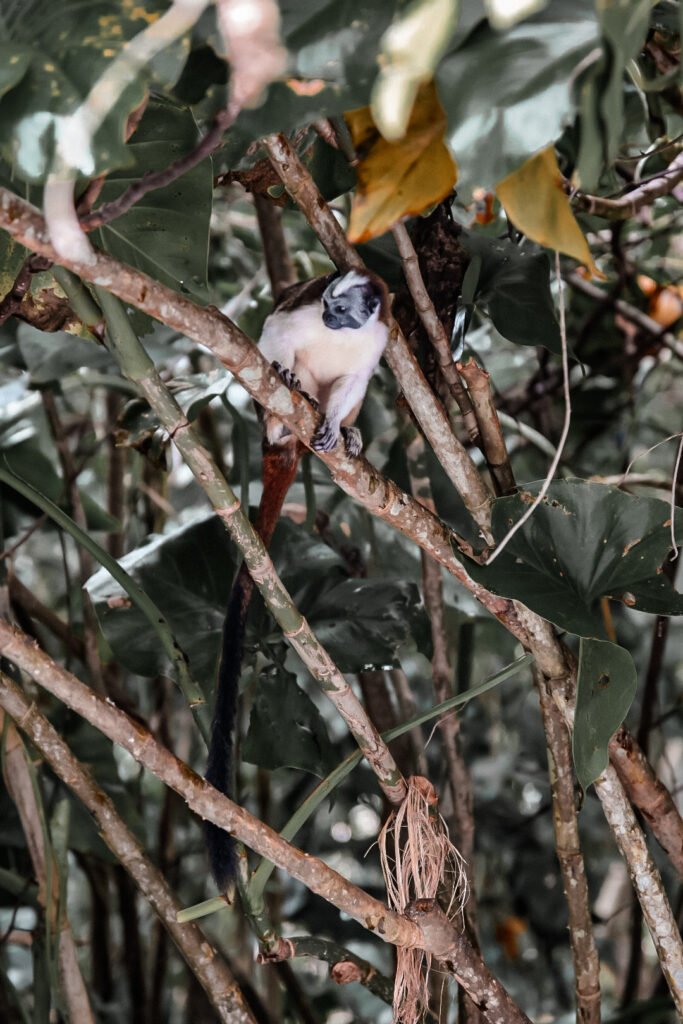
{"x":286,"y":730}
{"x":584,"y":541}
{"x":187,"y":574}
{"x":606,"y":687}
{"x":362,"y":623}
{"x":166,"y":234}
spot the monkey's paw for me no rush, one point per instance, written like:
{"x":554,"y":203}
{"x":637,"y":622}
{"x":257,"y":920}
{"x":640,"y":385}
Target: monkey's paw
{"x":287,"y":377}
{"x":353,"y":440}
{"x":325,"y":437}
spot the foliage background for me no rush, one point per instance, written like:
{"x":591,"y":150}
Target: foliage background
{"x":505,"y":95}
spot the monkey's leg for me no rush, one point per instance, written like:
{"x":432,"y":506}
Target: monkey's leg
{"x":353,"y":440}
{"x":346,"y":393}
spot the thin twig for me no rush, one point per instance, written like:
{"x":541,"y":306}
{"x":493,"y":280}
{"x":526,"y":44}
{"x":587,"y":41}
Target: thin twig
{"x":632,"y":313}
{"x":492,"y":440}
{"x":643,"y":195}
{"x":563,"y":436}
{"x":674,"y":480}
{"x":152,"y":180}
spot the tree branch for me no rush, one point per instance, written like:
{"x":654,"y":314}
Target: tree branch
{"x":380,"y":496}
{"x":208,"y":967}
{"x":643,"y":195}
{"x":434,"y":328}
{"x":211,"y":805}
{"x":570,"y":857}
{"x":20,"y":784}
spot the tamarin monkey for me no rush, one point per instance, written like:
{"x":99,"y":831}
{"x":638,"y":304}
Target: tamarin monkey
{"x":325,"y":338}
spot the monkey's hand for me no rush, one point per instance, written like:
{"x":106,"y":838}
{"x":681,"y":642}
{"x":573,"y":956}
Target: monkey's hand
{"x":325,"y":437}
{"x":294,"y":384}
{"x":353,"y":440}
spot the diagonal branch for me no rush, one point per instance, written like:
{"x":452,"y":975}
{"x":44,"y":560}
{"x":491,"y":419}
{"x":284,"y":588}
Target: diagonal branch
{"x":643,"y":195}
{"x":208,"y":803}
{"x":210,"y":969}
{"x":381,"y":497}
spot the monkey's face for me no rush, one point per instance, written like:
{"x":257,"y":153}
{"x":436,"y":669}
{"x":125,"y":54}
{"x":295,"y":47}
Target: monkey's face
{"x":350,"y":301}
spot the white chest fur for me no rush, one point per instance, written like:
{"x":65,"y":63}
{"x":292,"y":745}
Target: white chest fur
{"x":326,"y":353}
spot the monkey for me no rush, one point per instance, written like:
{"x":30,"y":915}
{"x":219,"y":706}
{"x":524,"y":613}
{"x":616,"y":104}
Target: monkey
{"x":325,"y":338}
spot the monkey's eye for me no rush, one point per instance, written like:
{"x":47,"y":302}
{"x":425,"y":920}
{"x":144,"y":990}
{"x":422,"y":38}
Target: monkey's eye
{"x":341,"y":309}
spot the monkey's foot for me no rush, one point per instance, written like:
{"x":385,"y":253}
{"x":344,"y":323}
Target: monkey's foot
{"x":325,"y":437}
{"x":353,"y":440}
{"x":294,"y":384}
{"x":287,"y":377}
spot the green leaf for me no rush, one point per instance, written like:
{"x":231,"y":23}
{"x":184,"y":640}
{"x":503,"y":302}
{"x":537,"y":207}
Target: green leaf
{"x":514,"y":289}
{"x":584,"y":541}
{"x":606,"y":687}
{"x":286,"y":730}
{"x":513,"y":89}
{"x":28,"y":462}
{"x":14,"y":63}
{"x":51,"y":357}
{"x":166,"y":234}
{"x":362,"y":623}
{"x":187,"y":573}
{"x":66,"y":48}
{"x":12,"y":256}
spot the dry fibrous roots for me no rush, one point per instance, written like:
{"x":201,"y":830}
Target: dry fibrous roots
{"x":419,"y":861}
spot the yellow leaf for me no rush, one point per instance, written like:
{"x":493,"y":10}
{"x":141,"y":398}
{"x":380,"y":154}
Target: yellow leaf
{"x":536,"y":203}
{"x":398,"y":179}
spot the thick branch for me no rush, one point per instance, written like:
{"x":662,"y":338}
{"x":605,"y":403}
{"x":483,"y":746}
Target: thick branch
{"x":380,"y":496}
{"x":202,"y":959}
{"x":453,"y":950}
{"x":208,"y":803}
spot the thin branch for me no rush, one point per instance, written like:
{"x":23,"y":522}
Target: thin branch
{"x":649,"y":795}
{"x":434,"y":328}
{"x":345,"y":966}
{"x":570,"y":857}
{"x":280,"y":268}
{"x":632,"y":313}
{"x":21,"y":786}
{"x":492,"y":439}
{"x":202,"y":959}
{"x":643,"y":195}
{"x":152,"y":180}
{"x":545,"y":486}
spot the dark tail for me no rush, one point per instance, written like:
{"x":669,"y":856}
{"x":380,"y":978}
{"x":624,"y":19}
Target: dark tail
{"x":279,"y":470}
